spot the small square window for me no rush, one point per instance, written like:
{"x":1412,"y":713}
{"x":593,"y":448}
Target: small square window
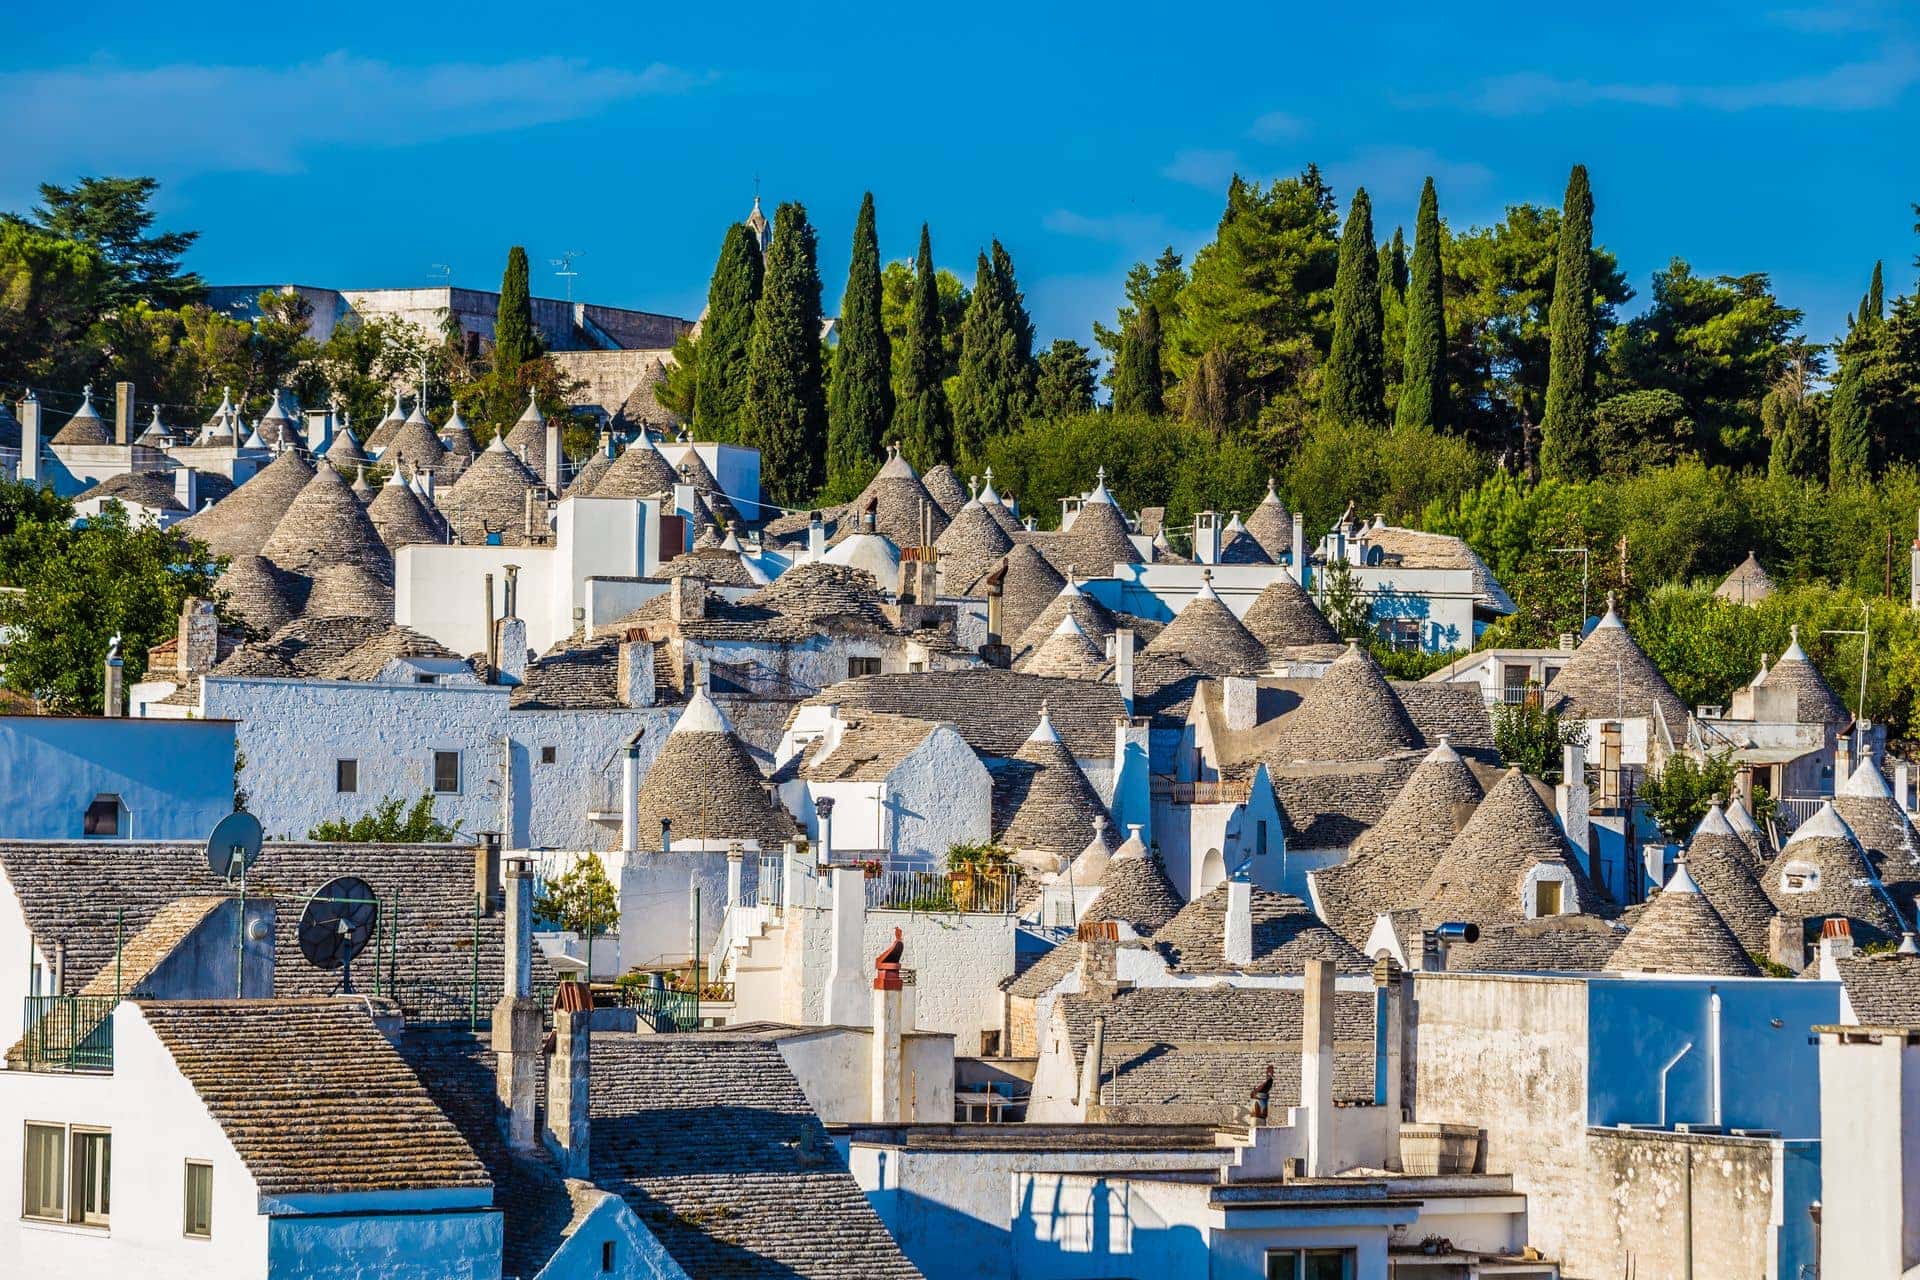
{"x":422,"y":678}
{"x":197,"y":1213}
{"x":863,"y":667}
{"x":103,"y":816}
{"x":346,"y":776}
{"x":549,"y":754}
{"x":446,"y":771}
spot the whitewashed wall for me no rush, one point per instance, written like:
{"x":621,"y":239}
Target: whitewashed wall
{"x":174,"y":778}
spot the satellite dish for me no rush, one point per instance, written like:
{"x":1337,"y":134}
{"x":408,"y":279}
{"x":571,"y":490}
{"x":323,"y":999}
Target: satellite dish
{"x":235,"y":839}
{"x":339,"y":921}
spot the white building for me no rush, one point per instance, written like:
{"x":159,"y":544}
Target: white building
{"x":111,"y":778}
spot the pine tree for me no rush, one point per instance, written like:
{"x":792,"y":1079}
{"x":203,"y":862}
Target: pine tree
{"x":1137,"y":385}
{"x":786,"y":412}
{"x":1064,"y":384}
{"x":720,"y":386}
{"x":514,"y":339}
{"x":1355,"y":373}
{"x":1794,"y":429}
{"x":1423,"y":382}
{"x":1566,"y":426}
{"x":923,"y":420}
{"x":994,"y":391}
{"x":860,"y":403}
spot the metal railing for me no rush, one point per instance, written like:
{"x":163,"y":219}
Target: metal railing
{"x":69,"y":1033}
{"x":986,"y":892}
{"x":1790,"y":811}
{"x":663,"y":1009}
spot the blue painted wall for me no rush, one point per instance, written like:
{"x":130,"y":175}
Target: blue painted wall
{"x":174,"y":777}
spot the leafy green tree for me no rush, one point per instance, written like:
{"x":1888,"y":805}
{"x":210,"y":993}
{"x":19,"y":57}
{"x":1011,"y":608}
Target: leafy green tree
{"x":391,"y":821}
{"x":720,"y":358}
{"x":1533,"y":735}
{"x":1790,"y":416}
{"x":1565,"y":450}
{"x":1639,"y":429}
{"x":1680,"y":794}
{"x":113,"y":217}
{"x":1064,"y":385}
{"x":50,"y":294}
{"x":993,"y":392}
{"x":1342,"y":600}
{"x":1396,"y":473}
{"x":897,"y":291}
{"x":1849,"y":430}
{"x":786,"y":411}
{"x":923,"y":420}
{"x":362,"y":360}
{"x":1157,"y":284}
{"x":1423,"y":381}
{"x":1260,"y":295}
{"x":1354,"y":382}
{"x":579,"y":900}
{"x":515,"y":341}
{"x":1137,"y":386}
{"x":860,"y":406}
{"x":1874,"y":305}
{"x":1392,"y":275}
{"x":77,"y":588}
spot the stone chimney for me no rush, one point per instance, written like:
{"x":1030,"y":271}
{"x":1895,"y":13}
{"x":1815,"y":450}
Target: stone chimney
{"x":688,"y":602}
{"x":1240,"y":701}
{"x":889,"y":1026}
{"x":196,"y":646}
{"x":492,"y":672}
{"x":1786,"y":942}
{"x":29,"y":472}
{"x":123,"y":414}
{"x":1099,"y":964}
{"x":554,"y":456}
{"x":1123,"y":665}
{"x":1132,"y":805}
{"x":634,"y":672}
{"x":823,"y":820}
{"x":516,"y":1018}
{"x":186,"y":488}
{"x":1572,"y":802}
{"x":1842,"y":760}
{"x":1299,"y":566}
{"x":116,"y":682}
{"x":1237,"y":943}
{"x":510,"y":635}
{"x":1316,"y":1067}
{"x":486,"y":872}
{"x":570,"y":1078}
{"x":816,"y":536}
{"x":1836,"y":938}
{"x":1390,"y":1004}
{"x":1092,"y":1068}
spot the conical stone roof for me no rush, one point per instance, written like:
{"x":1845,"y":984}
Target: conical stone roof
{"x":1135,"y":888}
{"x":326,"y":525}
{"x":415,"y":447}
{"x":944,"y":486}
{"x":1866,"y":803}
{"x":705,"y":783}
{"x":1283,"y":616}
{"x":277,"y":426}
{"x":1237,"y":546}
{"x":1209,"y":637}
{"x":997,"y":507}
{"x":345,"y":452}
{"x":1387,"y":865}
{"x":260,"y":596}
{"x":527,"y":438}
{"x":639,"y":472}
{"x":240,"y":523}
{"x":897,"y":498}
{"x":1720,"y":863}
{"x":693,"y":470}
{"x":490,"y":498}
{"x":1099,"y":537}
{"x":1740,"y":818}
{"x":1680,"y":932}
{"x":86,"y":426}
{"x":383,"y":432}
{"x":1747,"y":584}
{"x":1351,"y":713}
{"x":588,"y":477}
{"x":1094,"y":619}
{"x":1067,"y":653}
{"x":348,"y":591}
{"x":1814,"y":698}
{"x":1483,"y":874}
{"x":1822,"y":872}
{"x":1271,"y":525}
{"x":361,"y":489}
{"x":1041,"y":800}
{"x":400,"y":516}
{"x":457,"y":436}
{"x":968,"y":548}
{"x":1031,"y":585}
{"x":1610,"y":677}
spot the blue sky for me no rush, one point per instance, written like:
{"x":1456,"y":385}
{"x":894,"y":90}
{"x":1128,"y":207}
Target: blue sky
{"x":365,"y":146}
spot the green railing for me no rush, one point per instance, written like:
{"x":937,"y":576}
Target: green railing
{"x":664,"y":1010}
{"x":69,"y":1033}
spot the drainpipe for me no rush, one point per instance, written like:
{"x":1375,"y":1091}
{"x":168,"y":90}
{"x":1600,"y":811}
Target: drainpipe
{"x":493,"y":640}
{"x":630,"y":798}
{"x":823,"y":811}
{"x":1672,"y":1062}
{"x":1713,"y":1058}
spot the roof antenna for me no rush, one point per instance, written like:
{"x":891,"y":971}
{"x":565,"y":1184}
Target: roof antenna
{"x":339,"y":921}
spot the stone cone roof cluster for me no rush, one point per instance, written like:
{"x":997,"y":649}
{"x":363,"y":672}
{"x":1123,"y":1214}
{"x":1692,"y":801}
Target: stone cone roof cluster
{"x":969,"y":546}
{"x":1610,"y":677}
{"x":345,"y":452}
{"x":1835,"y":878}
{"x":1029,"y":588}
{"x":1283,"y":616}
{"x":1351,"y":713}
{"x":641,"y":471}
{"x":1482,"y":874}
{"x":348,"y":591}
{"x":706,"y":783}
{"x":241,"y":523}
{"x":261,"y":596}
{"x":1042,"y":802}
{"x":1722,"y":866}
{"x":1680,"y":932}
{"x":897,"y":498}
{"x":1209,"y":637}
{"x":1068,"y":652}
{"x":326,"y":526}
{"x":1094,"y":619}
{"x":399,"y":515}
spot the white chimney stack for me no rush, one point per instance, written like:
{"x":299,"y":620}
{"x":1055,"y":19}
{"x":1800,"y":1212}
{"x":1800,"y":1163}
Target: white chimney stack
{"x":1237,"y":944}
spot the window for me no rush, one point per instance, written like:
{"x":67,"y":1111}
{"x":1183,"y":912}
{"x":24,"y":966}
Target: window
{"x":1400,"y":634}
{"x":446,"y":771}
{"x":1800,"y":877}
{"x":1513,"y":683}
{"x":420,"y":677}
{"x":346,"y":775}
{"x":103,"y":816}
{"x":1546,"y":897}
{"x":197,"y":1214}
{"x":67,"y":1174}
{"x":1260,"y":838}
{"x":862,"y":667}
{"x":606,"y":1255}
{"x":549,"y":754}
{"x":1310,"y":1264}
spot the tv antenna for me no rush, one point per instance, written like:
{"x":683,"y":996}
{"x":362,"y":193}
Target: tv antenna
{"x":231,"y":849}
{"x":563,"y":267}
{"x":339,"y":921}
{"x":442,"y":272}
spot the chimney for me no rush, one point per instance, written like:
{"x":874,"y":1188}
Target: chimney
{"x":666,"y":835}
{"x":1092,"y":1068}
{"x":486,"y":872}
{"x":123,"y":413}
{"x":823,"y":816}
{"x":1786,"y":942}
{"x":688,"y":599}
{"x":510,"y":650}
{"x":1842,"y":760}
{"x":1836,"y":938}
{"x":197,"y":643}
{"x":1299,"y":566}
{"x":186,"y":488}
{"x":569,"y":1078}
{"x":493,"y":653}
{"x":1206,"y":537}
{"x":554,"y":456}
{"x":848,"y":1004}
{"x":888,"y":1076}
{"x":1572,"y":802}
{"x":736,"y":855}
{"x":816,"y":536}
{"x":630,"y":787}
{"x":516,"y":1018}
{"x":1099,"y":965}
{"x":1390,"y":989}
{"x":1132,"y":805}
{"x":319,"y":430}
{"x":1316,"y":1066}
{"x":633,"y":673}
{"x":1123,"y":665}
{"x":116,"y":689}
{"x":1239,"y":701}
{"x":1237,"y":944}
{"x":29,"y":471}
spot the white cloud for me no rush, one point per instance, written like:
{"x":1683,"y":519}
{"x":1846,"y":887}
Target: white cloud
{"x":184,"y":119}
{"x":1397,"y":172}
{"x":1854,"y":86}
{"x":1117,"y":228}
{"x":1277,"y":126}
{"x":1208,"y":170}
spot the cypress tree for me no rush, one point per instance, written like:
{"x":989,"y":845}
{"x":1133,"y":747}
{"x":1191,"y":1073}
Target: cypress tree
{"x":720,"y":388}
{"x":786,"y":412}
{"x":1849,"y":439}
{"x":1355,"y":386}
{"x":1393,"y":309}
{"x":514,"y":339}
{"x":923,"y":420}
{"x":994,"y":391}
{"x":1423,"y":381}
{"x":1877,"y":296}
{"x":1566,"y":427}
{"x":1793,"y":428}
{"x":1210,"y":394}
{"x":1063,"y":384}
{"x":1137,"y":385}
{"x":860,"y":402}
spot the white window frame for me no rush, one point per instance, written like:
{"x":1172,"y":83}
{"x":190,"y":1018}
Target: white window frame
{"x":73,"y":1196}
{"x":459,"y":771}
{"x":186,"y":1199}
{"x":60,"y":1175}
